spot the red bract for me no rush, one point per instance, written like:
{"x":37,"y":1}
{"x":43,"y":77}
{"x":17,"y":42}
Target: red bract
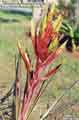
{"x":25,"y":57}
{"x":42,"y":41}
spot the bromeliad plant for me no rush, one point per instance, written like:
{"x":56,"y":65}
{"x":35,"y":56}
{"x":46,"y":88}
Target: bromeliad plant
{"x":70,"y":33}
{"x":43,"y":35}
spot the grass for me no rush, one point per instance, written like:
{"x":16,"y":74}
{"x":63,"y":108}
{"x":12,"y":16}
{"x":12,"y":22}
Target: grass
{"x":10,"y":33}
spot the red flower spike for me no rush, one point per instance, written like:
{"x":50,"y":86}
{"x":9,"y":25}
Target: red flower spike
{"x":44,"y":57}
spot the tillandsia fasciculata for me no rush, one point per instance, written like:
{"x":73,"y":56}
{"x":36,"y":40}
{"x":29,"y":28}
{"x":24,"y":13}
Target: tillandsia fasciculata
{"x":43,"y":37}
